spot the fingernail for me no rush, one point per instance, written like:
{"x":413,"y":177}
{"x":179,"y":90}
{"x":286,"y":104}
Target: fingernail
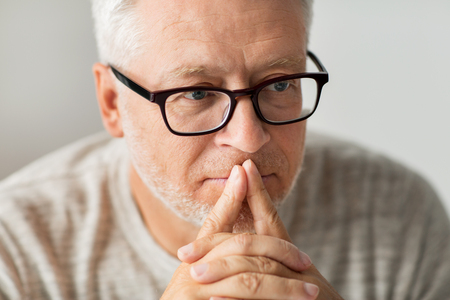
{"x":199,"y":270}
{"x":305,"y":259}
{"x":247,"y":163}
{"x":253,"y":169}
{"x":234,"y":174}
{"x":311,"y":289}
{"x":186,"y":250}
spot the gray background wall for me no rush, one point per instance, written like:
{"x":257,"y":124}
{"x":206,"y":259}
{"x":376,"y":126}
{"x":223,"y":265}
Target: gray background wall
{"x":388,"y":62}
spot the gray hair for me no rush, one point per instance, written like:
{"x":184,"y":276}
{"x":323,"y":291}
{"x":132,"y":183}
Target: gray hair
{"x":119,"y":33}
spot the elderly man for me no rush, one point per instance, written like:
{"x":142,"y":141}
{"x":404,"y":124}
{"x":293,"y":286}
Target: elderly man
{"x":203,"y":197}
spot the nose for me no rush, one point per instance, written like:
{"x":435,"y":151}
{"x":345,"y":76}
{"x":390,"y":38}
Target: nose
{"x":245,"y":131}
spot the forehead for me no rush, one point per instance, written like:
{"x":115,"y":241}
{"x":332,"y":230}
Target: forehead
{"x":220,"y":35}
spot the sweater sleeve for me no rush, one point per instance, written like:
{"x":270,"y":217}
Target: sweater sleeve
{"x":10,"y":287}
{"x":375,"y":229}
{"x":425,"y":260}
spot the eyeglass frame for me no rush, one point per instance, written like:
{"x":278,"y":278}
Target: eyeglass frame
{"x":160,"y":96}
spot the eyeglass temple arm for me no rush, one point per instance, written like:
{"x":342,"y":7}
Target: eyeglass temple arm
{"x":317,"y":62}
{"x":132,"y":85}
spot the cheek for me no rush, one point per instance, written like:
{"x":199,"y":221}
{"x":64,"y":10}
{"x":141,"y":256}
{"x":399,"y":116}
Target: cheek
{"x":143,"y":130}
{"x":180,"y":153}
{"x":156,"y":147}
{"x":291,"y":141}
{"x":140,"y":117}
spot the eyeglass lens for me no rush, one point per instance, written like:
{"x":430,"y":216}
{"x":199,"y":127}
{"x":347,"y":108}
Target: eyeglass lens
{"x":196,"y":111}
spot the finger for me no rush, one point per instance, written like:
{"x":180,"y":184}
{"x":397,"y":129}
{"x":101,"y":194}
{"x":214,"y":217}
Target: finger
{"x":226,"y":210}
{"x":260,"y":245}
{"x":265,"y":215}
{"x":260,"y":286}
{"x":200,"y":247}
{"x":232,"y":265}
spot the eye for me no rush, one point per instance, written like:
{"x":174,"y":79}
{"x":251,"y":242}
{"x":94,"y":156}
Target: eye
{"x":278,"y":86}
{"x":196,"y":95}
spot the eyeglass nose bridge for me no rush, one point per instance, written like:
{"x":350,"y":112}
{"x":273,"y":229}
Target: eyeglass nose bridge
{"x":243,"y":92}
{"x":235,"y":94}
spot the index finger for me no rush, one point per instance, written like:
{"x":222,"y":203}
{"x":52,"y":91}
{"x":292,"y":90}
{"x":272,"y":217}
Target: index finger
{"x":224,"y":214}
{"x":265,"y":215}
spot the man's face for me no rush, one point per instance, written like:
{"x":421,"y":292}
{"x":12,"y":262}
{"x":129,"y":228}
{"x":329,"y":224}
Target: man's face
{"x":233,"y":44}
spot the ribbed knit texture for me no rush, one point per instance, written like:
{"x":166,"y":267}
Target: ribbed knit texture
{"x":70,"y":229}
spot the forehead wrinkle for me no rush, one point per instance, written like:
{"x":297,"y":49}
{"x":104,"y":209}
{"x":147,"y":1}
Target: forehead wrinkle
{"x":264,"y":40}
{"x":186,"y":22}
{"x":287,"y":61}
{"x":184,"y":71}
{"x":208,"y":67}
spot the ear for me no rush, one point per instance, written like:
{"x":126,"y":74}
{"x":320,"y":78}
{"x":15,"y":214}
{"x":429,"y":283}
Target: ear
{"x":107,"y":97}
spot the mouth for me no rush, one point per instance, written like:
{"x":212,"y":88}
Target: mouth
{"x":223,"y":181}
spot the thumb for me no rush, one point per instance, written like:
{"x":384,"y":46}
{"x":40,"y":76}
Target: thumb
{"x":265,"y":216}
{"x":224,"y":214}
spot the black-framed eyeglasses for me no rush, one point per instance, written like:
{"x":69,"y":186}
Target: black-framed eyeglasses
{"x":197,"y":110}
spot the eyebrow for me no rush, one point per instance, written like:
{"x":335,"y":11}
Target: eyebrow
{"x":286,"y":61}
{"x":186,"y":71}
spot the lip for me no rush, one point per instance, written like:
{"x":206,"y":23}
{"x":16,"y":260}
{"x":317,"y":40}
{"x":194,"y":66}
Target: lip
{"x":223,"y":181}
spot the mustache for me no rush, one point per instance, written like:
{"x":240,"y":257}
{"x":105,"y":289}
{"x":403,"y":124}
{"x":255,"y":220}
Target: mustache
{"x":220,"y":166}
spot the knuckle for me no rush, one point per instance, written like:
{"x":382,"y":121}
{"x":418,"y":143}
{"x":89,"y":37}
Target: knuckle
{"x":265,"y":265}
{"x":224,"y":264}
{"x":286,"y":247}
{"x":272,"y":217}
{"x":209,"y":242}
{"x":262,"y":189}
{"x":251,"y":282}
{"x":209,"y":239}
{"x":257,"y":191}
{"x":203,"y":245}
{"x":227,"y":195}
{"x":212,"y":223}
{"x":243,"y":241}
{"x":294,"y":287}
{"x":288,"y":252}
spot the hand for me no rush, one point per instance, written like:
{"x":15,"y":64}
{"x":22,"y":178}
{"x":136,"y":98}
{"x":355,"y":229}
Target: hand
{"x":263,"y":266}
{"x":265,"y":254}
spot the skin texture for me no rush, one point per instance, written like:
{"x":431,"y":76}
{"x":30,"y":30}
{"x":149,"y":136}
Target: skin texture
{"x":246,"y":266}
{"x":237,"y":52}
{"x":231,"y":44}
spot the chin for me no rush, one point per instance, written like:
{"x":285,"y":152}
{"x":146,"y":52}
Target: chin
{"x":194,"y":208}
{"x":244,"y":222}
{"x":196,"y":212}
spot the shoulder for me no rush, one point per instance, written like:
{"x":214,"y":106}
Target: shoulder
{"x":56,"y":214}
{"x":356,"y":209}
{"x":346,"y":186}
{"x":327,"y":150}
{"x":348,"y":181}
{"x":335,"y":161}
{"x":62,"y":181}
{"x":68,"y":161}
